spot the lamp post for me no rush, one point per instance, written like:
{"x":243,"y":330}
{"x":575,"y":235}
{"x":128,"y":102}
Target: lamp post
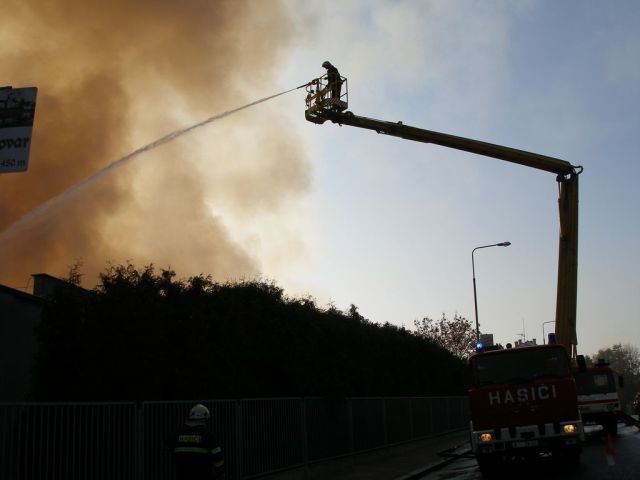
{"x":544,"y":338}
{"x":473,"y":269}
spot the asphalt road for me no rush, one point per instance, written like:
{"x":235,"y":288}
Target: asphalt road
{"x":601,"y":460}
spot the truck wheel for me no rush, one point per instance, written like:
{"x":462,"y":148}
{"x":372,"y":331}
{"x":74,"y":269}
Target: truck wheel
{"x":489,"y":465}
{"x":572,"y":456}
{"x":568,"y":456}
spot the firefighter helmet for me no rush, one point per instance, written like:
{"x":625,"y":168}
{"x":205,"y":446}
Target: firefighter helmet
{"x":199,"y":413}
{"x":326,"y":64}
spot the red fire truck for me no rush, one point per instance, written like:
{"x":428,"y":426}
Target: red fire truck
{"x":598,"y":397}
{"x":523,"y":403}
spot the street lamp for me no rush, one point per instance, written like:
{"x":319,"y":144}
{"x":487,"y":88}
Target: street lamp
{"x":475,"y":296}
{"x":544,"y":338}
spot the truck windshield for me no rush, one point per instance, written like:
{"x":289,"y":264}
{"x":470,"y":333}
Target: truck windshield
{"x":595,"y":382}
{"x":520,"y":365}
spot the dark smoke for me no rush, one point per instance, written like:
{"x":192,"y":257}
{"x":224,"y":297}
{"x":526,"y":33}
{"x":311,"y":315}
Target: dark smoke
{"x":114,"y":75}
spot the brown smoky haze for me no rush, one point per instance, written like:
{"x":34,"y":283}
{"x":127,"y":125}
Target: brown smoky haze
{"x":115,"y":75}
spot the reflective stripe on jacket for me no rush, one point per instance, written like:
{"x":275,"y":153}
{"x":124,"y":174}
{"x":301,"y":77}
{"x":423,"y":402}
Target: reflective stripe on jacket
{"x":197,"y":453}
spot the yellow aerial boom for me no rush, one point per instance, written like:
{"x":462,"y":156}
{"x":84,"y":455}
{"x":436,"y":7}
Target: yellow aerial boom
{"x":325,"y":102}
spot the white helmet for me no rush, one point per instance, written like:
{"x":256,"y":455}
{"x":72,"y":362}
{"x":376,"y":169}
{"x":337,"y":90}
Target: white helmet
{"x":199,"y":413}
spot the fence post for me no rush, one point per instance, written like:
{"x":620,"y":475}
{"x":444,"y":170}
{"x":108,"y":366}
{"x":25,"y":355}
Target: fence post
{"x":350,"y":420}
{"x":238,"y":444}
{"x":412,"y":430}
{"x":139,"y":434}
{"x":384,"y":422}
{"x":305,"y":438}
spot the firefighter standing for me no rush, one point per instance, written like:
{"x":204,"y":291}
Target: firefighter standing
{"x":333,"y":79}
{"x":197,"y":453}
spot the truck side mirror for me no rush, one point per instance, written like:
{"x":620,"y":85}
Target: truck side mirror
{"x":582,"y":363}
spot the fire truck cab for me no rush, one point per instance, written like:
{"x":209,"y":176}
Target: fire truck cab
{"x":598,"y":398}
{"x":523,"y":403}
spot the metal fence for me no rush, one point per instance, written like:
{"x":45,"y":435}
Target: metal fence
{"x":122,"y":441}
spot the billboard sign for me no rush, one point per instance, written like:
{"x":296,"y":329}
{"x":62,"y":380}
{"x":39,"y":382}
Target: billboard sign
{"x":17,"y":108}
{"x":486,"y":339}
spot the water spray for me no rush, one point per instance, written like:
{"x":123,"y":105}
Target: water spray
{"x":37,"y":212}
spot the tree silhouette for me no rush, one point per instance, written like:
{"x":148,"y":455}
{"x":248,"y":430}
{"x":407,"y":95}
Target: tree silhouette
{"x":456,"y":335}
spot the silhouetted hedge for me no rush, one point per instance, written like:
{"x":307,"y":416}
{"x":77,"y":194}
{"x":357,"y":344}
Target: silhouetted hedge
{"x":147,"y":336}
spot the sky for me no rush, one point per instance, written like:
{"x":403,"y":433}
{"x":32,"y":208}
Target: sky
{"x":344,"y":215}
{"x":397,"y":220}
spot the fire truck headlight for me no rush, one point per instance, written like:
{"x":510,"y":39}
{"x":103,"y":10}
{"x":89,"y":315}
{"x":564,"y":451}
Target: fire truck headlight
{"x":485,"y":437}
{"x":570,"y":428}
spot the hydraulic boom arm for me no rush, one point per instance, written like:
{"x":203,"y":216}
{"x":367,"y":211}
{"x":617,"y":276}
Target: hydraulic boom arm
{"x":321,"y":109}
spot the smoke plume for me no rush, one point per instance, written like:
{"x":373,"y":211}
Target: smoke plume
{"x":115,"y":75}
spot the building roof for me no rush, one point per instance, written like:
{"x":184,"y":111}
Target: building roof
{"x":21,"y":295}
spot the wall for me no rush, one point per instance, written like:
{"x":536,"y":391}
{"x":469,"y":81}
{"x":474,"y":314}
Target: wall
{"x":20,"y":313}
